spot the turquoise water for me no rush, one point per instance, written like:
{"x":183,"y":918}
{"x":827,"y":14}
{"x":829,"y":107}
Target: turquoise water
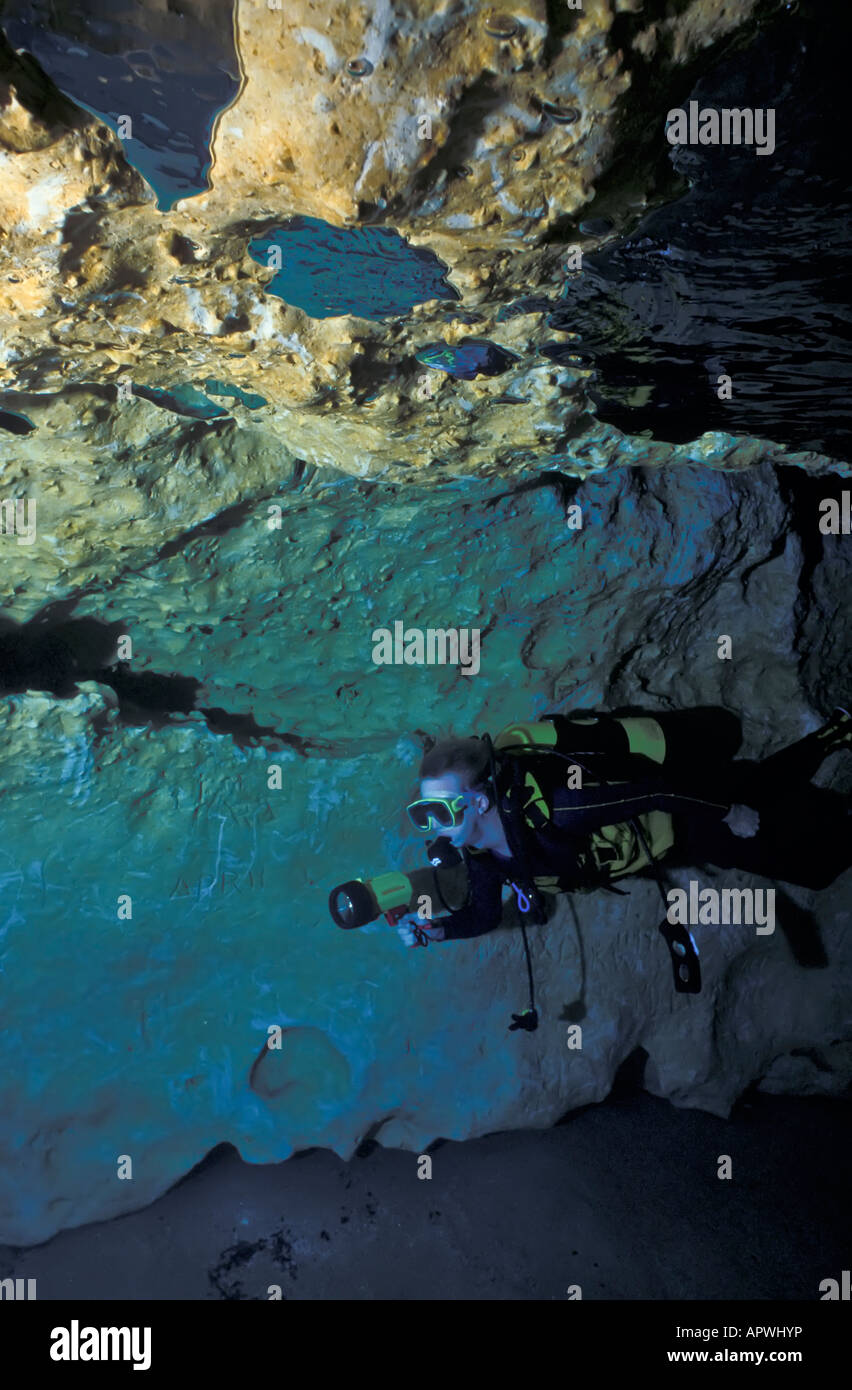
{"x":186,"y":399}
{"x":171,"y":77}
{"x":183,"y":400}
{"x":369,"y":271}
{"x":249,"y":399}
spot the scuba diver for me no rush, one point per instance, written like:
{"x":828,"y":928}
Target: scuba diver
{"x":576,"y":803}
{"x":623,"y":793}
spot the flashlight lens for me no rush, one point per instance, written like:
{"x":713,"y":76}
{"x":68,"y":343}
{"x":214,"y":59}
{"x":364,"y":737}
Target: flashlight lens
{"x":343,"y":911}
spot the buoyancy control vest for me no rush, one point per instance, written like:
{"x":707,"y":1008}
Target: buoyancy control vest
{"x":530,"y":804}
{"x":535,"y":759}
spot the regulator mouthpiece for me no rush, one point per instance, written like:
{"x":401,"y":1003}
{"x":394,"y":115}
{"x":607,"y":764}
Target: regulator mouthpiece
{"x":442,"y":853}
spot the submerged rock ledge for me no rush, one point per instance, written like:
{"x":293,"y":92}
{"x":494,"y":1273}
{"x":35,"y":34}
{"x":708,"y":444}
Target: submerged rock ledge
{"x":145,"y":1036}
{"x":485,"y":151}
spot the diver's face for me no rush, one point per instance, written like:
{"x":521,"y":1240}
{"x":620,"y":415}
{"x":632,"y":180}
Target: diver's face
{"x":449,"y":785}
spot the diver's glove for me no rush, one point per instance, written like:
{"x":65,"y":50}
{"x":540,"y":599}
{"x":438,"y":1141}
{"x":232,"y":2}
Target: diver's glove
{"x":528,"y":1020}
{"x":742,"y":821}
{"x":416,"y":931}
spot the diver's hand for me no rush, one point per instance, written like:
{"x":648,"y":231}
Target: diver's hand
{"x":742,"y":821}
{"x":405,"y":928}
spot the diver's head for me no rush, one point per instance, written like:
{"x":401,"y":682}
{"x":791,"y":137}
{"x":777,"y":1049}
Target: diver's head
{"x":457,"y":798}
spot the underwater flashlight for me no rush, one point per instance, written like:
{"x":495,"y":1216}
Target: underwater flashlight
{"x":342,"y":906}
{"x":358,"y":901}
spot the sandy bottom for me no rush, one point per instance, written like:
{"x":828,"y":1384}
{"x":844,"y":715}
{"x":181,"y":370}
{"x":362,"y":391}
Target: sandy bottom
{"x":621,"y":1198}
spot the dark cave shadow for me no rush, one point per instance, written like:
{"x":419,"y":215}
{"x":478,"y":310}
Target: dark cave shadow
{"x":799,"y":925}
{"x":629,"y":1079}
{"x":55,"y":653}
{"x":801,"y":931}
{"x":212,"y":1159}
{"x":370,"y":1142}
{"x":564,"y":486}
{"x":68,"y":391}
{"x":54,"y":656}
{"x":628,"y":1082}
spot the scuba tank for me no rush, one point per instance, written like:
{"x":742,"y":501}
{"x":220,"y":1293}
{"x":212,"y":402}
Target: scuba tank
{"x":620,"y":849}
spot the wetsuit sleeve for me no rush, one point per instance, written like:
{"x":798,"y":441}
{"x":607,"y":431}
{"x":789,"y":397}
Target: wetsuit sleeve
{"x":484,"y":907}
{"x":589,"y":808}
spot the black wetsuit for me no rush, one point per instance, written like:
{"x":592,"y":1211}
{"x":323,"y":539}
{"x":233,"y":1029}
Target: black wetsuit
{"x":805,"y":834}
{"x":561,"y":849}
